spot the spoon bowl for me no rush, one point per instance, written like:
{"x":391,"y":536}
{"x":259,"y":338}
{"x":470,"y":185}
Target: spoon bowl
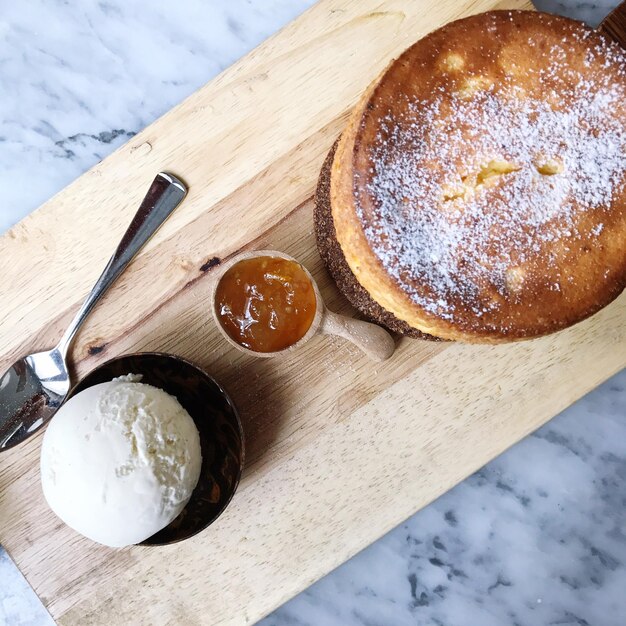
{"x":31,"y":391}
{"x":35,"y":386}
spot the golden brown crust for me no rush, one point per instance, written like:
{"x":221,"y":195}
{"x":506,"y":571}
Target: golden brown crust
{"x":331,"y":254}
{"x":553,"y":281}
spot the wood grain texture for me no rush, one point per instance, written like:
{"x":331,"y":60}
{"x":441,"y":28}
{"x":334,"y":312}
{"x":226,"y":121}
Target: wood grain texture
{"x":340,"y":450}
{"x":614,"y":24}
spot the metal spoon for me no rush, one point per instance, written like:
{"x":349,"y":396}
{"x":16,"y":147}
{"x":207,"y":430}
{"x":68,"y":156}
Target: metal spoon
{"x":34,"y":387}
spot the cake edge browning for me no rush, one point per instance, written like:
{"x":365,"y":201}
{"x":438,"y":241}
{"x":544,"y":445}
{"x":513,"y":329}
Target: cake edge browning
{"x":332,"y":255}
{"x":340,"y":187}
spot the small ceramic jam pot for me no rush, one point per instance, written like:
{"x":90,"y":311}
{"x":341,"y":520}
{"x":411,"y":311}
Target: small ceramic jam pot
{"x":373,"y":340}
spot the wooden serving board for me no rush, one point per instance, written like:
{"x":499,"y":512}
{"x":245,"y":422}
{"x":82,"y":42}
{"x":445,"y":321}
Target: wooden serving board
{"x":339,"y":450}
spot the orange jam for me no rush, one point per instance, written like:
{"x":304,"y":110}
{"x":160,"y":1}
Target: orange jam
{"x":266,"y":303}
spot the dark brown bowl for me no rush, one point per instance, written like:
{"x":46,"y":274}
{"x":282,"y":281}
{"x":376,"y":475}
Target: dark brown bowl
{"x":217,"y":420}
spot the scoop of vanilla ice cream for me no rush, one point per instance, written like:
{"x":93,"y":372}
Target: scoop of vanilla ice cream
{"x":119,"y":461}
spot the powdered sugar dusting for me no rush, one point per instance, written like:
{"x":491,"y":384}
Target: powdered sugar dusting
{"x":467,"y":190}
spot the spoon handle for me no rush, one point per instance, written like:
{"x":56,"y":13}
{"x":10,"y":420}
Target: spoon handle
{"x":375,"y":341}
{"x":164,"y":195}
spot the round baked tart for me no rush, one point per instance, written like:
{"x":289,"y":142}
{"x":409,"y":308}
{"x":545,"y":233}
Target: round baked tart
{"x":478,"y":192}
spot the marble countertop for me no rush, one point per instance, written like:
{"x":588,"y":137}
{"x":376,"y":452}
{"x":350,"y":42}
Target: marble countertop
{"x":536,"y":537}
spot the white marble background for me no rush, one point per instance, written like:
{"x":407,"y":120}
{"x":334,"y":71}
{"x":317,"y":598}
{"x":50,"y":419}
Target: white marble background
{"x":536,"y":537}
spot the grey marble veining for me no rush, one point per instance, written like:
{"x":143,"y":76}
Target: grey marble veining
{"x":591,"y":12}
{"x":536,"y":537}
{"x":79,"y":79}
